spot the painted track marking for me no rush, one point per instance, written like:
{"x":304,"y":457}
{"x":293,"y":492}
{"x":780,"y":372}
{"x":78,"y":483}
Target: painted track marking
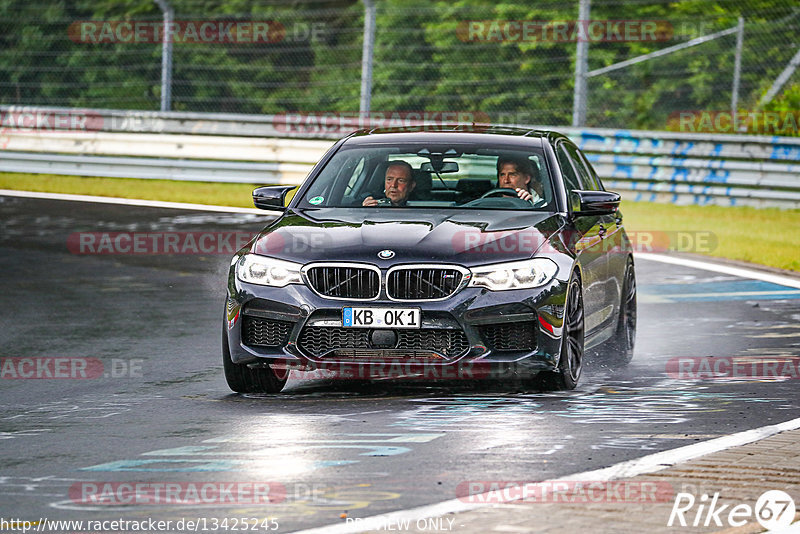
{"x":647,"y":464}
{"x":741,"y":272}
{"x":130,"y":202}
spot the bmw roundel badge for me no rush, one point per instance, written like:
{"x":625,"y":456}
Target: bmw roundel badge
{"x":386,"y":254}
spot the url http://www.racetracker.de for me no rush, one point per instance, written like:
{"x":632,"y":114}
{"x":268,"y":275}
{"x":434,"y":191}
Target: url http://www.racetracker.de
{"x":197,"y":524}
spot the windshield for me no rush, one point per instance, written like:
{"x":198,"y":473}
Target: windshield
{"x":416,"y":175}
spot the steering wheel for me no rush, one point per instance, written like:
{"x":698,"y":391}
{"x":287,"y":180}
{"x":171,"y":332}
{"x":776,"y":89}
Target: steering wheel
{"x":498,"y":191}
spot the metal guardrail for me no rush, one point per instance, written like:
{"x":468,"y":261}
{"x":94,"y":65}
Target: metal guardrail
{"x":154,"y":168}
{"x":643,"y":165}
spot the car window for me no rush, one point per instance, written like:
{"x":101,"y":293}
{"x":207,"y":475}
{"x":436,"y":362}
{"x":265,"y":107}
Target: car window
{"x":592,"y":172}
{"x":452,"y":176}
{"x":356,"y":177}
{"x":567,"y":171}
{"x":587,"y":178}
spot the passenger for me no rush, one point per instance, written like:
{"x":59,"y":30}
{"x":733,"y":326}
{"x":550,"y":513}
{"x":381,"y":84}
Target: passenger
{"x":399,"y":183}
{"x":516,"y":173}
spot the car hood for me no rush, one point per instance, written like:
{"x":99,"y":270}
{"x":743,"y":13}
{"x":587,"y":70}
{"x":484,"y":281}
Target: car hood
{"x":466,"y":237}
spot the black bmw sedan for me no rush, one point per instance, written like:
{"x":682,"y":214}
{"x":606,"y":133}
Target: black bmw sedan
{"x":461,"y":252}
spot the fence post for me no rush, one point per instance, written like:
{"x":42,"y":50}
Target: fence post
{"x":366,"y":57}
{"x":737,"y":67}
{"x":581,"y":66}
{"x":166,"y":56}
{"x":781,"y":79}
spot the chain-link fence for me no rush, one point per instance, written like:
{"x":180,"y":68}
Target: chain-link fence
{"x":509,"y":62}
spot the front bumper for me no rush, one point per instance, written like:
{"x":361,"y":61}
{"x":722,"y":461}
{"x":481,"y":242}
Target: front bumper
{"x":518,"y":331}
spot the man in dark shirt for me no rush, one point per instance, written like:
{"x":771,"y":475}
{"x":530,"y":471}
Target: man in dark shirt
{"x":399,"y":183}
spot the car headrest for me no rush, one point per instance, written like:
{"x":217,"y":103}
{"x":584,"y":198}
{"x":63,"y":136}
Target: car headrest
{"x":422,"y":191}
{"x":536,"y":180}
{"x":378,"y":177}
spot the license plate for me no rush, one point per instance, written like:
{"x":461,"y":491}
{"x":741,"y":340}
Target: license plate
{"x":381,"y":317}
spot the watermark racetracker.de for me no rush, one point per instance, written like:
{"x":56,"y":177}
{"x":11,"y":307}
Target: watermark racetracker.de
{"x":43,"y":120}
{"x":785,"y":122}
{"x":133,"y":493}
{"x":565,"y":491}
{"x":68,"y":368}
{"x":181,"y":31}
{"x":564,"y":31}
{"x":499,"y":242}
{"x":734,"y":367}
{"x":341,"y":123}
{"x":154,"y":243}
{"x":241,"y":32}
{"x":394,"y":368}
{"x":530,"y":241}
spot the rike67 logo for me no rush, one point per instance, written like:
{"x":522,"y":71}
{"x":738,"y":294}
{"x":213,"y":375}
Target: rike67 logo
{"x":774,"y":510}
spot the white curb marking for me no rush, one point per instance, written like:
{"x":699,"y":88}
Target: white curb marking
{"x":647,"y":464}
{"x":722,"y":269}
{"x":130,"y":202}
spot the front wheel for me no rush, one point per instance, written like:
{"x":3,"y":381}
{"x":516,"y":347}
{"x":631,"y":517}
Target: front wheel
{"x":244,"y":379}
{"x":570,"y":364}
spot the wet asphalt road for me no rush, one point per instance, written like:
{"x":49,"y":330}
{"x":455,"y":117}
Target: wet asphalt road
{"x":160,"y":411}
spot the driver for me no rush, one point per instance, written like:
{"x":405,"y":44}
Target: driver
{"x":399,"y":183}
{"x":516,"y":173}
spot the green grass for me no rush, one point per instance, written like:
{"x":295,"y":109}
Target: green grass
{"x":220,"y":194}
{"x":762,"y":236}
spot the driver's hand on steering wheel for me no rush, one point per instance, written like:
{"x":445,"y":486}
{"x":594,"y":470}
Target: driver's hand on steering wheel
{"x":524,"y":195}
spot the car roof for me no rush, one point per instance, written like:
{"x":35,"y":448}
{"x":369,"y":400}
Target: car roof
{"x":459,"y":133}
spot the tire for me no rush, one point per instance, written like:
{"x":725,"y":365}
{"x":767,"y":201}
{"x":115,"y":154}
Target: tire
{"x":243,"y":379}
{"x":618,"y":350}
{"x":570,"y":363}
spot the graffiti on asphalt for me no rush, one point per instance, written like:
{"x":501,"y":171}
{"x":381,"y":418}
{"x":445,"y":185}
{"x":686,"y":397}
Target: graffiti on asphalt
{"x":470,"y":413}
{"x":646,"y":406}
{"x":91,"y":407}
{"x":663,"y":405}
{"x":46,"y":486}
{"x":279,"y":455}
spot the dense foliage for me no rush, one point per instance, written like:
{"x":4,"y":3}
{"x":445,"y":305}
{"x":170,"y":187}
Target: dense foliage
{"x":422,"y":59}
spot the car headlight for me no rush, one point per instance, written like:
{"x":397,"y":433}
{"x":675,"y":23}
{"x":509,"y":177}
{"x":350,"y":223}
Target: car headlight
{"x":514,"y":275}
{"x":267,"y":271}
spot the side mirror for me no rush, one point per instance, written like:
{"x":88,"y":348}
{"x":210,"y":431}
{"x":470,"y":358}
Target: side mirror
{"x":594,"y":202}
{"x":271,"y":197}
